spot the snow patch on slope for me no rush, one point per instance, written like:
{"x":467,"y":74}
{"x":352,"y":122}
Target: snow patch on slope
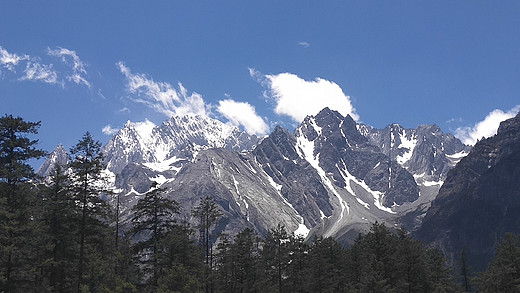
{"x":305,"y":150}
{"x":408,"y":144}
{"x":349,"y":178}
{"x":165,"y":165}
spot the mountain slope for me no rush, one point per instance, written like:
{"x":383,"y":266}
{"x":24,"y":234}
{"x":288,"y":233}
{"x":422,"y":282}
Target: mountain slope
{"x":479,"y":200}
{"x":331,"y":177}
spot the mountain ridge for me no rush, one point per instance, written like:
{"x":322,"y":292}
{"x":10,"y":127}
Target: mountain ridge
{"x":479,"y":200}
{"x":329,"y":177}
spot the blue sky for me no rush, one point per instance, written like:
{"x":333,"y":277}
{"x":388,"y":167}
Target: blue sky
{"x":93,"y":65}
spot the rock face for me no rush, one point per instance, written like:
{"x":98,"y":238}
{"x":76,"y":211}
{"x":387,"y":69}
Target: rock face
{"x":426,"y":151}
{"x":58,"y":156}
{"x":178,"y":139}
{"x":331,"y":177}
{"x":479,"y":200}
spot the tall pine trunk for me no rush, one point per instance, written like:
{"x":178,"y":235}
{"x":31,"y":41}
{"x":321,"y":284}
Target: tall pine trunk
{"x":82,"y":234}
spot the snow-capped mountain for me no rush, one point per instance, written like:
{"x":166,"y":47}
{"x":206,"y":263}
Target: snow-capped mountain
{"x":58,"y":156}
{"x":426,"y":151}
{"x":176,"y":140}
{"x":331,"y":177}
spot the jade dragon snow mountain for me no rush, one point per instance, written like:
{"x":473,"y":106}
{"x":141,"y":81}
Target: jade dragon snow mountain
{"x":331,"y":176}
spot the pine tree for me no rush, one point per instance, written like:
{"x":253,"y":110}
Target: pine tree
{"x":326,"y":261}
{"x":298,"y":262}
{"x":275,"y":257}
{"x":465,"y":270}
{"x":89,"y":185}
{"x":153,"y":219}
{"x":237,"y":263}
{"x":60,"y":217}
{"x":181,"y":260}
{"x":208,"y":213}
{"x":410,"y":269}
{"x":503,"y":272}
{"x":17,"y":202}
{"x":245,"y":252}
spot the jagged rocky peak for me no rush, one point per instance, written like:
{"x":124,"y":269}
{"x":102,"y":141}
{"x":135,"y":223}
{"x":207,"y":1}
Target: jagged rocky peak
{"x":204,"y":131}
{"x":279,"y":145}
{"x":177,"y":139}
{"x":333,"y":145}
{"x":510,"y":127}
{"x":59,"y":156}
{"x":426,"y":151}
{"x":130,"y":144}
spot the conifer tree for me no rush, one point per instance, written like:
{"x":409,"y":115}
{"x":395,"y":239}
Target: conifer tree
{"x":60,"y":217}
{"x":503,"y":272}
{"x":153,"y":219}
{"x":296,"y":274}
{"x":275,"y":257}
{"x":465,"y":270}
{"x":237,"y":263}
{"x":208,"y":213}
{"x":246,"y":253}
{"x":17,"y":202}
{"x":326,"y":261}
{"x":181,"y":260}
{"x":89,"y":185}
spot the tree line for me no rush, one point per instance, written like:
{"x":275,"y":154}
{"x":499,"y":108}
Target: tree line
{"x":60,"y":234}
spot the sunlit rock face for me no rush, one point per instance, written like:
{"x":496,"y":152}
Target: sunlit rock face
{"x":331,"y":176}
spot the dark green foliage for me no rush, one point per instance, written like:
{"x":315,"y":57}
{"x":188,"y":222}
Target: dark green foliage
{"x":326,"y":266}
{"x":153,"y":219}
{"x":382,"y":261}
{"x":61,"y":217}
{"x":237,"y":263}
{"x":181,"y":264}
{"x":503,"y":273}
{"x":208,"y":213}
{"x":18,"y":203}
{"x":96,"y":257}
{"x":275,"y":258}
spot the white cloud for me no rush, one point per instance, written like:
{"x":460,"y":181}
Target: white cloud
{"x":485,"y":128}
{"x":304,"y":44}
{"x":161,"y":96}
{"x":297,"y":98}
{"x":124,"y":110}
{"x":71,"y":58}
{"x":40,"y":72}
{"x":108,"y":130}
{"x":10,"y":60}
{"x":241,"y":113}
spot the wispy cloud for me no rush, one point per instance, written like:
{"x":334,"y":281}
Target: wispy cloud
{"x":36,"y":68}
{"x":108,"y":130}
{"x":11,"y":60}
{"x":35,"y":71}
{"x":485,"y":128}
{"x":124,"y":110}
{"x":455,"y":120}
{"x":297,"y":98}
{"x":241,"y":113}
{"x":161,"y":96}
{"x":304,"y":44}
{"x":70,"y":57}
